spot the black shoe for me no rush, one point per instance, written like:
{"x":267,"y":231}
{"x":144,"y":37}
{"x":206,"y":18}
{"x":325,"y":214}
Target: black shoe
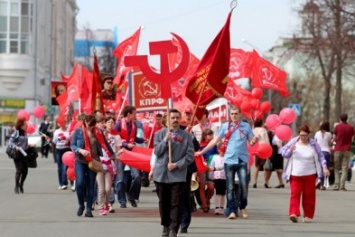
{"x":173,"y":233}
{"x":80,"y":211}
{"x":16,"y":190}
{"x":183,"y":230}
{"x":254,"y":186}
{"x":266,"y":186}
{"x":280,"y":186}
{"x":88,"y":214}
{"x":123,"y":205}
{"x":133,"y":203}
{"x":21,"y":189}
{"x":165,"y":232}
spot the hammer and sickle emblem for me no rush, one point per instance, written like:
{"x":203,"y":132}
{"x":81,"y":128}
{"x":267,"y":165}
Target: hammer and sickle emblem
{"x":165,"y":77}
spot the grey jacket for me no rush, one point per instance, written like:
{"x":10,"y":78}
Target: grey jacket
{"x":182,"y":154}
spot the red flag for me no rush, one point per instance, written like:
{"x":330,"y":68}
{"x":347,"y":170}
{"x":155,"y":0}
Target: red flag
{"x":63,"y":106}
{"x":128,"y":47}
{"x":235,"y":94}
{"x":96,"y":100}
{"x":201,"y":164}
{"x":266,"y":75}
{"x":137,"y":160}
{"x":211,"y":76}
{"x":238,"y":67}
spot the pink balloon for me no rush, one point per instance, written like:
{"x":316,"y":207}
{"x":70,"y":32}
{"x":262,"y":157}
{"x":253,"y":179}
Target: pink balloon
{"x":283,"y":132}
{"x":272,"y":121}
{"x":24,"y":114}
{"x":68,"y":158}
{"x":38,"y":111}
{"x":257,"y":93}
{"x":71,"y":173}
{"x":31,"y":128}
{"x":287,"y":115}
{"x":265,"y":106}
{"x":264,"y":151}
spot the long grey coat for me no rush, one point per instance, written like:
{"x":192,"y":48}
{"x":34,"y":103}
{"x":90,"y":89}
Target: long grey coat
{"x":182,"y":155}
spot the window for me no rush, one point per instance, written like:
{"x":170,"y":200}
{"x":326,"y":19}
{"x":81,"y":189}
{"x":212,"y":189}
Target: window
{"x":3,"y":23}
{"x":24,"y":9}
{"x":14,"y":9}
{"x":3,"y":8}
{"x":15,"y":26}
{"x":13,"y":46}
{"x":14,"y":23}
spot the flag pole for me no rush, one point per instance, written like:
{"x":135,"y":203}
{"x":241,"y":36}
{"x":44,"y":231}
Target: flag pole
{"x":123,"y":102}
{"x":169,"y":127}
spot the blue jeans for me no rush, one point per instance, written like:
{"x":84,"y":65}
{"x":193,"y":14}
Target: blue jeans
{"x":241,"y":169}
{"x":62,"y":168}
{"x":121,"y":183}
{"x":85,"y":180}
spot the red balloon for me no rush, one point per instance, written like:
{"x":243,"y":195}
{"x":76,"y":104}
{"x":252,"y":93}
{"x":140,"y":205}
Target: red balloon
{"x":257,"y":93}
{"x":68,"y":158}
{"x":238,"y":100}
{"x":254,"y":103}
{"x":31,"y":128}
{"x":272,"y":121}
{"x":71,"y":173}
{"x":245,"y":106}
{"x":24,"y":114}
{"x":258,"y":114}
{"x":287,"y":115}
{"x":265,"y":106}
{"x":38,"y":111}
{"x":264,"y":151}
{"x":253,"y":149}
{"x":283,"y":132}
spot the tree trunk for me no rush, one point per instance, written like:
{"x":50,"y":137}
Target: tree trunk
{"x":339,"y":58}
{"x":326,"y":104}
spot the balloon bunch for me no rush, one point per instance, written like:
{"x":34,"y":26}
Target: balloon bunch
{"x":251,"y":106}
{"x":276,"y":123}
{"x":68,"y":159}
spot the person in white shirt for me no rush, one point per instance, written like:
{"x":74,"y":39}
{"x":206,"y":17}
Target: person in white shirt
{"x":61,"y":140}
{"x":324,"y":138}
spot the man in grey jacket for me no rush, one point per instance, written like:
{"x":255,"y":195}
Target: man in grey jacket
{"x":170,"y":178}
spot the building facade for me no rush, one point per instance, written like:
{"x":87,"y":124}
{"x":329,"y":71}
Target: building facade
{"x":36,"y":44}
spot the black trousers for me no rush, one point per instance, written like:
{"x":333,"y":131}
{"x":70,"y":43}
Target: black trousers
{"x":44,"y":147}
{"x":171,"y":203}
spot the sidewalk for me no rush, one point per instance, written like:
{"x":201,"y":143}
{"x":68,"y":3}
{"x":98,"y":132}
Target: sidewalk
{"x":45,"y":211}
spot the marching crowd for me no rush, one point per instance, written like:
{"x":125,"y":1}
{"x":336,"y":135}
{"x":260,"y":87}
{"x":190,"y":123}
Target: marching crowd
{"x":98,"y":141}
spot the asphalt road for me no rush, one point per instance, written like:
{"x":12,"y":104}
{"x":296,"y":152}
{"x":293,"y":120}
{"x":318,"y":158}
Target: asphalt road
{"x":45,"y":211}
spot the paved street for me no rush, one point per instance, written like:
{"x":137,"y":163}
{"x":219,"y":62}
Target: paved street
{"x":45,"y":211}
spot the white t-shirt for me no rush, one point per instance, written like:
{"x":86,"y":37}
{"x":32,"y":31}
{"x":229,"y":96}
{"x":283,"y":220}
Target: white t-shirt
{"x":323,"y":139}
{"x":61,"y":139}
{"x":303,"y":161}
{"x":261,"y":133}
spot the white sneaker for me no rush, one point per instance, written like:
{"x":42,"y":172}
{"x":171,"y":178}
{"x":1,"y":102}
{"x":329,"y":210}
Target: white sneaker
{"x":307,"y":220}
{"x":244,"y":213}
{"x":64,"y":187}
{"x":232,"y":216}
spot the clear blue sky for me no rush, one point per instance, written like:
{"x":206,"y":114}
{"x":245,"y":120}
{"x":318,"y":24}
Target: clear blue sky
{"x":260,"y":22}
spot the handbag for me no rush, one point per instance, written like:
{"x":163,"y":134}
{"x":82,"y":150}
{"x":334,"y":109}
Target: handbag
{"x":12,"y":152}
{"x":268,"y":165}
{"x":95,"y":166}
{"x":32,"y":163}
